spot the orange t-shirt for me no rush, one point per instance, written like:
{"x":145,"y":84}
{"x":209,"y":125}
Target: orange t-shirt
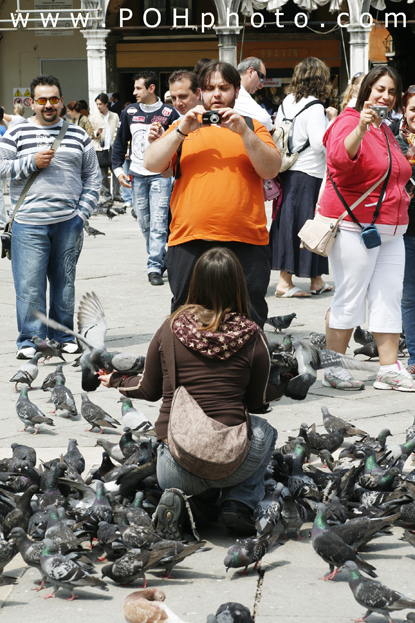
{"x":219,"y":195}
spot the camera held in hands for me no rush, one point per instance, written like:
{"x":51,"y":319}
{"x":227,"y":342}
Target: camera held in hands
{"x":381,"y":111}
{"x":211,"y":117}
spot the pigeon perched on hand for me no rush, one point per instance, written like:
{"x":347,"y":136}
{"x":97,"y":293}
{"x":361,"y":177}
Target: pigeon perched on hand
{"x":231,"y":612}
{"x":29,"y":413}
{"x":280,"y":322}
{"x":27,"y":372}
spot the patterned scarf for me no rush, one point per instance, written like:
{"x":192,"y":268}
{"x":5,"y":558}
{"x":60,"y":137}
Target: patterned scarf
{"x":410,"y":138}
{"x":233,"y":333}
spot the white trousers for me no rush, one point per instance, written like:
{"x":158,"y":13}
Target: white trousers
{"x":372,"y":275}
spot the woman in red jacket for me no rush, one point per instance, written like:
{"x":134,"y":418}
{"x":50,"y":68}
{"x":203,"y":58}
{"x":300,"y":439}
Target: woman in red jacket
{"x":362,"y":152}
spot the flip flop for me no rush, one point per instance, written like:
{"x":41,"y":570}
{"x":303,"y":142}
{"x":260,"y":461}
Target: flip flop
{"x":325,"y":288}
{"x":292,"y":293}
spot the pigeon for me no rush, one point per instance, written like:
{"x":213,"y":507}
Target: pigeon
{"x":409,"y":537}
{"x":24,"y":453}
{"x":50,"y":380}
{"x":27,"y":372}
{"x":280,"y":322}
{"x":134,"y":419}
{"x":374,"y":596}
{"x":73,"y":457}
{"x":110,"y":213}
{"x":394,"y":452}
{"x":7,"y":552}
{"x":231,"y":612}
{"x":63,"y":399}
{"x":95,"y":416}
{"x":374,"y":477}
{"x":332,"y":423}
{"x":29,"y":550}
{"x":363,"y":337}
{"x":113,"y":449}
{"x":369,"y":350}
{"x":29,"y":413}
{"x":48,"y":348}
{"x":128,"y":445}
{"x":331,"y":547}
{"x":175,"y":552}
{"x":132,"y":565}
{"x":300,"y":484}
{"x":267,"y":513}
{"x":293,"y":515}
{"x":330,"y":441}
{"x":91,"y":231}
{"x":146,"y":607}
{"x":360,"y":530}
{"x":249,"y":551}
{"x":62,"y":572}
{"x":318,"y":340}
{"x":19,"y":516}
{"x":100,"y":509}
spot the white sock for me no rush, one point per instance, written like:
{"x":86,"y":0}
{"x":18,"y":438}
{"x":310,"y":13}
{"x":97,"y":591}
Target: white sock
{"x":392,"y":367}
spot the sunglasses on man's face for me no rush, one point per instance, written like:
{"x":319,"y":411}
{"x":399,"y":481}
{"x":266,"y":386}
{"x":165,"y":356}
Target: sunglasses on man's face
{"x":261,"y":76}
{"x":43,"y":100}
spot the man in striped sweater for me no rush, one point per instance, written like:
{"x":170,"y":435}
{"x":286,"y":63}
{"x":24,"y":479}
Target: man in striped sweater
{"x":47,"y":230}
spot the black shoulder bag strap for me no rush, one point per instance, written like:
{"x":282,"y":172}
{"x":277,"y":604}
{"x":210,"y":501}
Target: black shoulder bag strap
{"x":290,"y":135}
{"x":382,"y":192}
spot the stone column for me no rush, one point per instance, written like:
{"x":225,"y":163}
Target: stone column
{"x":359,"y":48}
{"x":97,"y":71}
{"x":227,"y":44}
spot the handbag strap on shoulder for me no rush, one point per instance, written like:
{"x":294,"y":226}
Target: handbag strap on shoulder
{"x":34,"y":175}
{"x":168,"y":350}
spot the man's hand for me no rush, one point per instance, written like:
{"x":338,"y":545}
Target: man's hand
{"x":190,"y":121}
{"x":44,"y":158}
{"x":232,"y":120}
{"x":156,"y":130}
{"x":123,"y":180}
{"x":99,"y":131}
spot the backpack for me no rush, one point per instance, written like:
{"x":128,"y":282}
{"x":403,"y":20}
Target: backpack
{"x":283,"y":137}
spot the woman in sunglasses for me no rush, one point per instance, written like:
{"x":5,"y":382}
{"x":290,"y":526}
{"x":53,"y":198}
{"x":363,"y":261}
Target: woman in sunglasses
{"x":309,"y":87}
{"x":406,"y":140}
{"x":352,"y":91}
{"x":367,"y":171}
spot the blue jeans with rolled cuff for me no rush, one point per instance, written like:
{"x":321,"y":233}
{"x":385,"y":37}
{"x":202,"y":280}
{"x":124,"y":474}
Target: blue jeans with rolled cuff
{"x":408,"y":297}
{"x":151,"y":201}
{"x":41,"y":254}
{"x":246,"y":485}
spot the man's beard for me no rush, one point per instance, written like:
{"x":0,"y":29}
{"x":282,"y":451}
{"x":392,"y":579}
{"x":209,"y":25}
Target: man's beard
{"x":50,"y":118}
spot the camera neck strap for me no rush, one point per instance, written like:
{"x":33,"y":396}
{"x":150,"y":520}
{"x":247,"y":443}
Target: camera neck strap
{"x":384,"y":179}
{"x":34,"y":175}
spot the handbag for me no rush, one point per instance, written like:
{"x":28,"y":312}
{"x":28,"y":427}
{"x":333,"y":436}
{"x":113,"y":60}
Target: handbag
{"x":318,"y":235}
{"x":200,"y":444}
{"x":6,"y":237}
{"x":104,"y":158}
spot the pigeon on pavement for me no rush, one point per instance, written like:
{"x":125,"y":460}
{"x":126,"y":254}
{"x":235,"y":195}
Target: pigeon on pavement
{"x":29,"y":413}
{"x":27,"y":372}
{"x":48,"y":348}
{"x":91,"y":231}
{"x":95,"y":416}
{"x":73,"y":456}
{"x":231,"y":612}
{"x":63,"y":399}
{"x":134,"y":419}
{"x":332,"y":423}
{"x":280,"y":322}
{"x":50,"y":380}
{"x":249,"y":551}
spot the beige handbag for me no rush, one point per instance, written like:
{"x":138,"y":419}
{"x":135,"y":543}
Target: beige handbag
{"x":201,"y":445}
{"x":319,"y":234}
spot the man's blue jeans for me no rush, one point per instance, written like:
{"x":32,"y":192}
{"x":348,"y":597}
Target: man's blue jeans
{"x":408,"y":297}
{"x":151,"y":196}
{"x":42,"y":253}
{"x":127,"y":193}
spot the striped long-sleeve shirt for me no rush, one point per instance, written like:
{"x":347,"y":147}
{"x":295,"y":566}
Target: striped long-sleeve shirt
{"x":69,"y":185}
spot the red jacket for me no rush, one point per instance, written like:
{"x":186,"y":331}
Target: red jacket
{"x":354,"y":177}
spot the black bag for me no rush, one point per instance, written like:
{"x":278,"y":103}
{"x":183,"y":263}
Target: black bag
{"x":104,"y":158}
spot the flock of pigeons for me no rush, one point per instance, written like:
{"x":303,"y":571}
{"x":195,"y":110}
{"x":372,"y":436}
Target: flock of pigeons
{"x":62,"y":521}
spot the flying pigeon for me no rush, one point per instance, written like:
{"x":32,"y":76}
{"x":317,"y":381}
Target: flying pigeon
{"x":27,"y":372}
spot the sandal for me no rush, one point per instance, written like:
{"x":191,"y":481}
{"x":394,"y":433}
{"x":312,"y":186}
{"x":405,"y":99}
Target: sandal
{"x":294,"y":292}
{"x":325,"y":288}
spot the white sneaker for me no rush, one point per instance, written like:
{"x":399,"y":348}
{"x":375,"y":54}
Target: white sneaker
{"x":70,"y":348}
{"x":27,"y":352}
{"x":340,"y":378}
{"x":400,"y":380}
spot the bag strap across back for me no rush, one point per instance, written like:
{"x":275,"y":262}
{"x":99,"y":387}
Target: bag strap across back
{"x":168,"y":350}
{"x":34,"y":175}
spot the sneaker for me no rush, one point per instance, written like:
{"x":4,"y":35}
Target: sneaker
{"x":26,"y":353}
{"x":169,"y":515}
{"x":411,"y":370}
{"x":70,"y":347}
{"x":340,"y":378}
{"x":237,"y":516}
{"x":400,"y":380}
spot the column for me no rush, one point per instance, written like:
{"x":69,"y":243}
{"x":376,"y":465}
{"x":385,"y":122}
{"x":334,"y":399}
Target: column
{"x":359,"y":48}
{"x":227,"y":44}
{"x":97,"y":72}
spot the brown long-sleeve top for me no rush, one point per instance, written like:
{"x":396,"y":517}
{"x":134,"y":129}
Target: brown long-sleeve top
{"x":221,"y":388}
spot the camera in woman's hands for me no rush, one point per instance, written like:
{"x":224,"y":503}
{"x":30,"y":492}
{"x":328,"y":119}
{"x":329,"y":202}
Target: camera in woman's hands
{"x":381,"y":111}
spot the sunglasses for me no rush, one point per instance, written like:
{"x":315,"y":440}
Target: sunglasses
{"x":356,"y":76}
{"x":411,"y":89}
{"x":261,"y":76}
{"x":43,"y":100}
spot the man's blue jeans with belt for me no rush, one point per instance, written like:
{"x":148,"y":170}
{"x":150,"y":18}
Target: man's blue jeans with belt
{"x":151,"y":197}
{"x":42,"y":253}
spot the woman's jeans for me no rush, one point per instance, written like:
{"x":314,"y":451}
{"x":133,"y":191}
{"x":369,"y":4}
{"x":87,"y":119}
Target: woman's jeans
{"x":42,"y":253}
{"x":246,"y":485}
{"x":408,"y":297}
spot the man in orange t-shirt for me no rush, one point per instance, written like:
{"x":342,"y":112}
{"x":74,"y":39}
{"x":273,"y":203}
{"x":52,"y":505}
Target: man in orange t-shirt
{"x":217,"y":198}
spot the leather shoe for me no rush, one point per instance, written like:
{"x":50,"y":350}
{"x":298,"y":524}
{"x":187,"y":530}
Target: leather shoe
{"x":155,"y":279}
{"x":238,"y":517}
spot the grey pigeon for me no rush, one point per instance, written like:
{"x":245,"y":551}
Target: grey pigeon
{"x":62,"y":572}
{"x":95,"y":416}
{"x":29,"y":413}
{"x":50,"y":380}
{"x":231,"y":612}
{"x":100,"y":509}
{"x":132,"y":565}
{"x":333,"y":423}
{"x":19,"y":516}
{"x":134,"y":419}
{"x":175,"y":552}
{"x":249,"y":551}
{"x":48,"y":348}
{"x":293,"y":515}
{"x":363,"y":337}
{"x":300,"y":484}
{"x":29,"y":550}
{"x":27,"y":372}
{"x":24,"y":453}
{"x":267,"y":513}
{"x":113,"y":449}
{"x":280,"y":322}
{"x":74,"y":457}
{"x":318,"y":340}
{"x":91,"y":231}
{"x":374,"y":596}
{"x":63,"y":399}
{"x":369,"y":350}
{"x":7,"y":552}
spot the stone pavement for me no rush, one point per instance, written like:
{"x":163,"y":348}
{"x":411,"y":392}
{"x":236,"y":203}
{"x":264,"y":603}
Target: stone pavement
{"x":113,"y":266}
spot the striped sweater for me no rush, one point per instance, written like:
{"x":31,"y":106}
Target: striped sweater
{"x":70,"y":185}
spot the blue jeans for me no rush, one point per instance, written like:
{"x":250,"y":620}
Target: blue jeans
{"x":151,"y":195}
{"x":42,"y":253}
{"x":127,"y":193}
{"x":246,"y":485}
{"x":408,"y":297}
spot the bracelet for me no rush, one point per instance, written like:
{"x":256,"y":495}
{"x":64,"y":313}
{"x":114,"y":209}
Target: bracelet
{"x":359,"y":137}
{"x":181,"y":133}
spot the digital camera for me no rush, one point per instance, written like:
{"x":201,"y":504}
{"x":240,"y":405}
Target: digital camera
{"x":381,"y":111}
{"x":210,"y":117}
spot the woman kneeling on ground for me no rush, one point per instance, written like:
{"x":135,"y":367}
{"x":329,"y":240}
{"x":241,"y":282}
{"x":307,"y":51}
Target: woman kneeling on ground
{"x":222,"y":360}
{"x":361,"y":152}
